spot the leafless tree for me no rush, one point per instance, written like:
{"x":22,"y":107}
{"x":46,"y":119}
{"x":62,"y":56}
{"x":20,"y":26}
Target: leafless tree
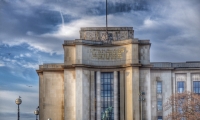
{"x":184,"y":106}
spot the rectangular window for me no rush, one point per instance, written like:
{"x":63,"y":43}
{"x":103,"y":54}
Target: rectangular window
{"x":180,"y":86}
{"x":159,"y":117}
{"x":196,"y":87}
{"x":159,"y":105}
{"x":159,"y":87}
{"x":107,"y":95}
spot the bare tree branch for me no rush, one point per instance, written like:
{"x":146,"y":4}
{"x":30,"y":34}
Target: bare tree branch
{"x":186,"y":106}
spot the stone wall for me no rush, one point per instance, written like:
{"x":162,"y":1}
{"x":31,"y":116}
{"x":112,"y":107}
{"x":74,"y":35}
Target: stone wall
{"x":69,"y":94}
{"x":69,"y":55}
{"x":52,"y":96}
{"x":164,"y":76}
{"x":144,"y":54}
{"x":107,"y":56}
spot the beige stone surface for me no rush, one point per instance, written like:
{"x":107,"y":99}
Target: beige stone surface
{"x":107,"y":56}
{"x":131,"y":93}
{"x":69,"y":94}
{"x":82,"y":94}
{"x":69,"y":55}
{"x":52,"y":96}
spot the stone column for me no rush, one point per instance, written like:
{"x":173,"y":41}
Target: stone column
{"x":174,"y":83}
{"x":98,"y":95}
{"x":115,"y":96}
{"x":69,"y":94}
{"x":132,"y":110}
{"x":122,"y":96}
{"x":188,"y":83}
{"x":92,"y":95}
{"x":148,"y":94}
{"x":82,"y":94}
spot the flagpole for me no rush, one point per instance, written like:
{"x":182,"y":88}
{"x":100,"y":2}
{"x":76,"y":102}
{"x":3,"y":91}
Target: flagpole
{"x":106,"y":14}
{"x":107,"y":19}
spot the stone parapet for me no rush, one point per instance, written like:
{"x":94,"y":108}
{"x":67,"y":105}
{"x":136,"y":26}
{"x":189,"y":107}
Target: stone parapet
{"x":104,"y":28}
{"x":103,"y":43}
{"x":175,"y":65}
{"x":51,"y":66}
{"x":103,"y":33}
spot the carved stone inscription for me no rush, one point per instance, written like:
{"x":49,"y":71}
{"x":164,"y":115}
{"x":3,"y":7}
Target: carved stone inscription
{"x":107,"y":54}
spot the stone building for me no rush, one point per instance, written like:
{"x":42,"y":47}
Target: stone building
{"x":110,"y":68}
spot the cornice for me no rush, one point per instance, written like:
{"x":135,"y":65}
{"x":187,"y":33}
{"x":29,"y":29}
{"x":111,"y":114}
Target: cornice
{"x":105,"y":44}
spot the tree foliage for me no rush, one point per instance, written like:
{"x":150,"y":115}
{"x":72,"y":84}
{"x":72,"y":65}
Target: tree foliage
{"x":184,"y":106}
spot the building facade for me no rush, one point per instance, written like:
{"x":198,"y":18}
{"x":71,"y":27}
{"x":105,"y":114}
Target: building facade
{"x":108,"y":67}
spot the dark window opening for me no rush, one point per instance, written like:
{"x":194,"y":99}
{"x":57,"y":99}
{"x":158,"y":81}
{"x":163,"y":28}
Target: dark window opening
{"x":107,"y":93}
{"x":196,"y":87}
{"x":180,"y":86}
{"x":159,"y":87}
{"x":159,"y":117}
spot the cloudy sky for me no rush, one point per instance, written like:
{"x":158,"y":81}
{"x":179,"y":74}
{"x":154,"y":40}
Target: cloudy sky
{"x":32,"y":33}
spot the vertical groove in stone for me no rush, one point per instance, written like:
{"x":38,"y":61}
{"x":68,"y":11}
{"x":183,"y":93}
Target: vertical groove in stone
{"x":98,"y":96}
{"x":122,"y":87}
{"x":115,"y":96}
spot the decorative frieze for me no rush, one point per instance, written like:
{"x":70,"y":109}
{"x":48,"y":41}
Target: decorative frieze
{"x":175,"y":65}
{"x":103,"y":34}
{"x":52,"y":65}
{"x":181,"y":77}
{"x":196,"y":77}
{"x":107,"y":54}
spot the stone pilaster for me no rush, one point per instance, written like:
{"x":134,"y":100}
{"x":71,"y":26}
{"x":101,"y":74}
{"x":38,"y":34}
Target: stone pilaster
{"x":92,"y":95}
{"x":188,"y":83}
{"x":98,"y":95}
{"x":69,"y":94}
{"x":82,"y":94}
{"x":122,"y":96}
{"x":116,"y":112}
{"x":145,"y":86}
{"x":132,"y":111}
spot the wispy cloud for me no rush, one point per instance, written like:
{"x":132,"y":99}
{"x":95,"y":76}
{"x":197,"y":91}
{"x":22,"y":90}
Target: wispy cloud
{"x":32,"y":32}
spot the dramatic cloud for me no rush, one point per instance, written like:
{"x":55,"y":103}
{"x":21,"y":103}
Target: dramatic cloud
{"x":32,"y":33}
